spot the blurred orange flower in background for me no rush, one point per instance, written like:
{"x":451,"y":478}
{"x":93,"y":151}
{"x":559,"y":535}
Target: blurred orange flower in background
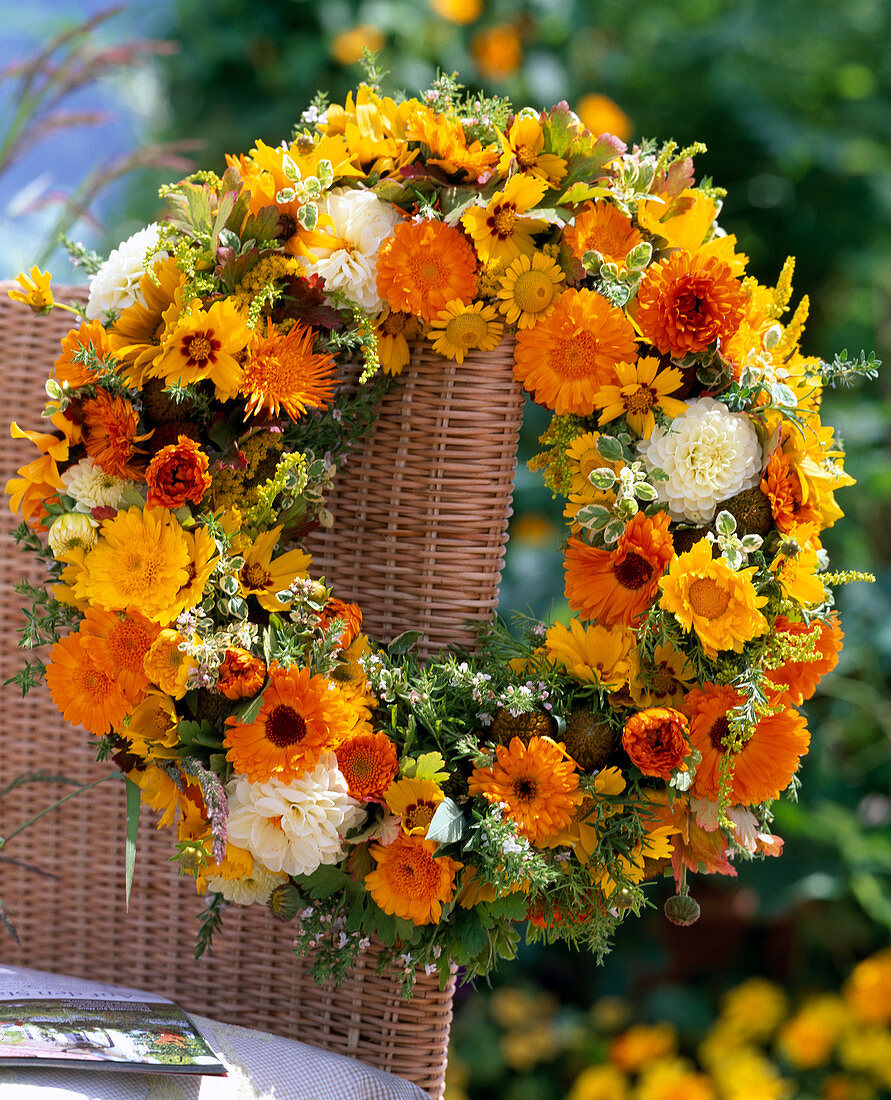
{"x":497,"y":51}
{"x":602,"y":116}
{"x":458,"y":11}
{"x":346,"y":47}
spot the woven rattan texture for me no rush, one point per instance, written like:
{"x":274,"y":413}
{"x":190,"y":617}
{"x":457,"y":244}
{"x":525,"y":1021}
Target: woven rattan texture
{"x":421,"y":509}
{"x":422,"y":516}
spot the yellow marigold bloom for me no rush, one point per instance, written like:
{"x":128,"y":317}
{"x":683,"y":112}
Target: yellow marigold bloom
{"x":163,"y":795}
{"x":238,"y":863}
{"x":409,"y":882}
{"x":656,"y":846}
{"x":867,"y":1049}
{"x":499,"y":230}
{"x":642,"y":387}
{"x":459,"y":329}
{"x":497,"y":51}
{"x":686,"y":222}
{"x":707,"y":596}
{"x":263,"y":577}
{"x":283,"y":372}
{"x":205,"y":345}
{"x":569,"y":355}
{"x":203,"y":557}
{"x":662,"y":681}
{"x":136,"y":337}
{"x":642,"y":1044}
{"x":523,"y":144}
{"x":474,"y":890}
{"x":744,"y":1073}
{"x":602,"y":227}
{"x":808,"y":1038}
{"x":537,"y":783}
{"x":415,"y":802}
{"x":167,"y":665}
{"x":140,"y":561}
{"x":528,"y":290}
{"x":868,"y":990}
{"x":673,"y":1079}
{"x":600,"y":1083}
{"x":797,"y":573}
{"x":601,"y":115}
{"x":346,"y":47}
{"x":73,"y":530}
{"x":582,"y":458}
{"x":35,"y":292}
{"x":458,"y":11}
{"x":447,"y":144}
{"x":593,"y":654}
{"x":374,"y":131}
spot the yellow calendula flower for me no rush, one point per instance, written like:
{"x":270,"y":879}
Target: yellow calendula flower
{"x":167,"y":664}
{"x":459,"y":329}
{"x":71,"y":531}
{"x":600,"y":1083}
{"x":642,"y":387}
{"x":35,"y":292}
{"x":796,"y":566}
{"x":686,"y":223}
{"x":499,"y":229}
{"x":706,"y":596}
{"x":529,"y":289}
{"x":593,"y":654}
{"x":151,"y":728}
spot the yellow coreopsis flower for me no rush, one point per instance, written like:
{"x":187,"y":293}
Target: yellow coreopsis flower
{"x":524,"y":144}
{"x":529,"y":289}
{"x":499,"y":230}
{"x":415,"y":802}
{"x":459,"y":329}
{"x":642,"y":387}
{"x":593,"y":654}
{"x":262,"y":576}
{"x":205,"y":345}
{"x":35,"y":292}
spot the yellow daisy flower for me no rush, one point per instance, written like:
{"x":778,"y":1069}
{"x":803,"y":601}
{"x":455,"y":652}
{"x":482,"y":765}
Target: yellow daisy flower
{"x":167,"y":665}
{"x":499,"y":230}
{"x":582,"y":458}
{"x":642,"y":388}
{"x":528,"y":290}
{"x":524,"y":144}
{"x":459,"y":329}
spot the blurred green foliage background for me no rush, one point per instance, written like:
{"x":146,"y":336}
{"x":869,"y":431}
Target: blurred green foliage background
{"x":792,"y":100}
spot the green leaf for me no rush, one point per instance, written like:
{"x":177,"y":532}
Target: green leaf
{"x":447,"y":824}
{"x":404,"y":642}
{"x":643,"y":491}
{"x":725,"y":524}
{"x":248,"y":713}
{"x":133,"y":794}
{"x":610,"y":448}
{"x":613,"y":531}
{"x":593,"y":516}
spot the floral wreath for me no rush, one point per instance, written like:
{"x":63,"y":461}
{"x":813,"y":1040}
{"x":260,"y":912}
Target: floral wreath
{"x":196,"y":418}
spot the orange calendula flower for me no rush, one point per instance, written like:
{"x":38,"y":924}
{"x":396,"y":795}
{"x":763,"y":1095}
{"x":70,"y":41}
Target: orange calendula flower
{"x":120,"y":642}
{"x":796,"y":680}
{"x":529,"y":289}
{"x":424,"y":266}
{"x":656,"y":741}
{"x":415,"y":802}
{"x":350,"y":614}
{"x":110,"y":427}
{"x":785,"y":490}
{"x":642,"y":387}
{"x":499,"y":230}
{"x":448,"y":147}
{"x":601,"y":115}
{"x":497,"y":51}
{"x":618,"y":585}
{"x":85,"y":694}
{"x":368,"y":762}
{"x":459,"y":329}
{"x":763,"y":765}
{"x":687,"y":302}
{"x":91,"y":335}
{"x":35,"y":290}
{"x":569,"y":355}
{"x":868,"y":990}
{"x":537,"y":782}
{"x":176,"y":474}
{"x":300,"y":718}
{"x":283,"y":372}
{"x":167,"y":664}
{"x":205,"y":345}
{"x":593,"y":654}
{"x":720,"y":604}
{"x":241,"y":674}
{"x":602,"y":227}
{"x":409,"y":882}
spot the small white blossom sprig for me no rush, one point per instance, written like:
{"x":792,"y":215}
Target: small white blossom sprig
{"x":506,"y":859}
{"x":734,"y":549}
{"x":387,"y":683}
{"x":462,"y":675}
{"x":520,"y":699}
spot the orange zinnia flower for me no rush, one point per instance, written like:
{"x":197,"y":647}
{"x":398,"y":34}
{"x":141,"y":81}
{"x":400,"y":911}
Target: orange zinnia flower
{"x":603,"y":228}
{"x":565,"y":359}
{"x":615,"y":586}
{"x":368,"y":762}
{"x":241,"y":675}
{"x":425,"y":265}
{"x":795,"y":681}
{"x":176,"y":474}
{"x":82,"y":690}
{"x":537,"y":782}
{"x":119,"y":643}
{"x":656,"y":741}
{"x":409,"y":882}
{"x":284,"y":372}
{"x":687,"y":302}
{"x":763,"y":767}
{"x":300,"y":718}
{"x":110,"y":427}
{"x":91,"y":334}
{"x":783,"y":488}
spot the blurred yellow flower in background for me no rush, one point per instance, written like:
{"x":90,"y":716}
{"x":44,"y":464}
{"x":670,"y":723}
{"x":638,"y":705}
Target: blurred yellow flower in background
{"x":458,"y":11}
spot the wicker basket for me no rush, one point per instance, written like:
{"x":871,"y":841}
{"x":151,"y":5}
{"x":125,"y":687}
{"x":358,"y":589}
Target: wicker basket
{"x":422,"y":516}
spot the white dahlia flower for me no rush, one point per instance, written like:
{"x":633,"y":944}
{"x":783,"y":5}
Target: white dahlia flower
{"x":294,"y":827}
{"x":361,"y":223}
{"x":254,"y":889}
{"x":709,"y":454}
{"x":115,"y":286}
{"x":91,"y":487}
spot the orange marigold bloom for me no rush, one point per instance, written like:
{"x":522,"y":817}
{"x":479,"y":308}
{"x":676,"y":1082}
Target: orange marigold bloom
{"x":537,"y":782}
{"x":763,"y":767}
{"x":615,"y":586}
{"x":82,"y":690}
{"x":91,"y":334}
{"x":603,"y":228}
{"x":241,"y":674}
{"x":424,"y":266}
{"x":284,"y":372}
{"x":110,"y":427}
{"x":783,"y":488}
{"x":796,"y":681}
{"x":687,"y":302}
{"x":409,"y":882}
{"x":119,"y":643}
{"x":350,"y":614}
{"x":176,"y":474}
{"x":565,"y":359}
{"x":656,"y":741}
{"x":301,"y":717}
{"x":368,"y":762}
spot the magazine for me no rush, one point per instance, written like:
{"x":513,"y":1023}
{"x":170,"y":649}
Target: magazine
{"x":50,"y":1020}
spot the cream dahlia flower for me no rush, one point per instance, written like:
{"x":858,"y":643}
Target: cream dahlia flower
{"x":89,"y":486}
{"x":294,"y":827}
{"x":115,"y":286}
{"x":709,"y":454}
{"x":361,"y":223}
{"x":70,"y":532}
{"x":254,"y":889}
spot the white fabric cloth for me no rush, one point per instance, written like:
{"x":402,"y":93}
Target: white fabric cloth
{"x":260,"y":1067}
